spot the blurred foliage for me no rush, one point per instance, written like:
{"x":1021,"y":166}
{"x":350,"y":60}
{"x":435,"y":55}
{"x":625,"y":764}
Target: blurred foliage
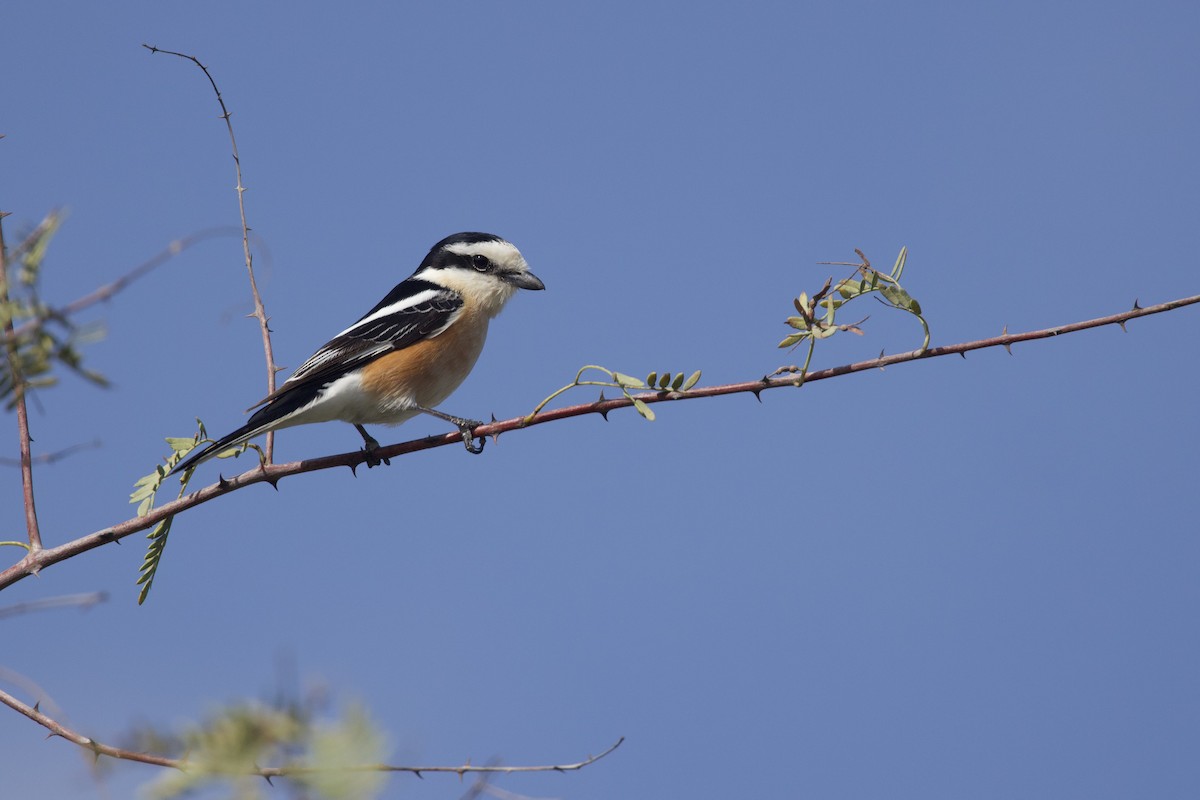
{"x":235,"y":740}
{"x":44,"y":339}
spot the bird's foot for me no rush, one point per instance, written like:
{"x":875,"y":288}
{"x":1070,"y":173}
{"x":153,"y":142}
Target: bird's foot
{"x":373,"y":460}
{"x":467,"y":427}
{"x":370,"y":445}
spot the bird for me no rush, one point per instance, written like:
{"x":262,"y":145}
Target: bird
{"x":403,"y":357}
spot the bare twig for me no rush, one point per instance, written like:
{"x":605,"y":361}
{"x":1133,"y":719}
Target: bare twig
{"x":57,"y":455}
{"x":260,"y":311}
{"x":183,"y":765}
{"x":18,"y":383}
{"x":108,"y":290}
{"x":33,"y":562}
{"x":85,"y":601}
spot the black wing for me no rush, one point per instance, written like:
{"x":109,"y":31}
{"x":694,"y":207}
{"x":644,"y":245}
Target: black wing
{"x":393,"y":324}
{"x":411,"y":312}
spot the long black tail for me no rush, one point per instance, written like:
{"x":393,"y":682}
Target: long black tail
{"x":242,"y":434}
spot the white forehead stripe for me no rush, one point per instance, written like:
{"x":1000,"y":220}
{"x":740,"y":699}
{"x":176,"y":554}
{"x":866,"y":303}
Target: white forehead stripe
{"x":500,"y":252}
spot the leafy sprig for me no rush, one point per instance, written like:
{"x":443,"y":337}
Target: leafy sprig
{"x":52,"y":339}
{"x":817,"y":314}
{"x":666,"y":382}
{"x":146,"y":490}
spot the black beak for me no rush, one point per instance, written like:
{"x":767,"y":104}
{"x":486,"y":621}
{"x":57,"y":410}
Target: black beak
{"x":524,"y":280}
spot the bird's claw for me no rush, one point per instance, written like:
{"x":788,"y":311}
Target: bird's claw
{"x":467,"y":428}
{"x":370,"y":446}
{"x":373,"y":460}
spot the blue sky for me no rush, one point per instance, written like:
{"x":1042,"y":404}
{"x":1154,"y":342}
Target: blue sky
{"x":958,"y":578}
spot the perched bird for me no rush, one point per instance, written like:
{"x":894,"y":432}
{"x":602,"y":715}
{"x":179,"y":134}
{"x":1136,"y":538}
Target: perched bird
{"x":406,"y":355}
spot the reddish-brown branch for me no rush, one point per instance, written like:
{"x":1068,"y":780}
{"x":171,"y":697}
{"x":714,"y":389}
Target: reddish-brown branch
{"x":260,"y":311}
{"x":99,"y":749}
{"x":18,"y":382}
{"x":33,"y":562}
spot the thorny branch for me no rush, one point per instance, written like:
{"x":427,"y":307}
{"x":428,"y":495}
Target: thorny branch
{"x":100,"y":749}
{"x":260,"y":311}
{"x":18,"y":383}
{"x":33,"y":562}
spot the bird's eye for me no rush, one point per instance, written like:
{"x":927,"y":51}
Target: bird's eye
{"x":480,"y":263}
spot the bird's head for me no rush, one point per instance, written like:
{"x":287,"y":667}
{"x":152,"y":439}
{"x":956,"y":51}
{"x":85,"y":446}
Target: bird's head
{"x":481,"y":267}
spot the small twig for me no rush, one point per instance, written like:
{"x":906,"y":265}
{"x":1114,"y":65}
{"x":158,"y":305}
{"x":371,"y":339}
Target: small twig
{"x":260,"y":311}
{"x":33,"y":562}
{"x":108,"y":290}
{"x":183,"y":765}
{"x":57,"y":455}
{"x":84,"y":601}
{"x":18,"y":383}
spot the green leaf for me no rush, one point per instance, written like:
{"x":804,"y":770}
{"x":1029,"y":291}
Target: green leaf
{"x":799,"y":323}
{"x":181,"y":444}
{"x":643,"y":409}
{"x":675,"y":384}
{"x":665,"y":381}
{"x":627,"y":381}
{"x":825,"y":331}
{"x":850,"y":288}
{"x":692,"y":380}
{"x":158,"y":542}
{"x":652,"y":379}
{"x":900,"y":298}
{"x":147,"y":480}
{"x":898,"y":269}
{"x":793,"y":339}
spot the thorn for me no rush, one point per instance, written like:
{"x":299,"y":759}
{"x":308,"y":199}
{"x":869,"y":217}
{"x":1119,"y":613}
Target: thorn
{"x":267,"y":778}
{"x":963,"y":354}
{"x":1122,"y":324}
{"x":603,"y":412}
{"x":757,"y":394}
{"x":353,"y":469}
{"x":417,"y":772}
{"x":1008,"y":347}
{"x":223,"y":484}
{"x":1136,"y":307}
{"x":274,"y":483}
{"x":37,"y":705}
